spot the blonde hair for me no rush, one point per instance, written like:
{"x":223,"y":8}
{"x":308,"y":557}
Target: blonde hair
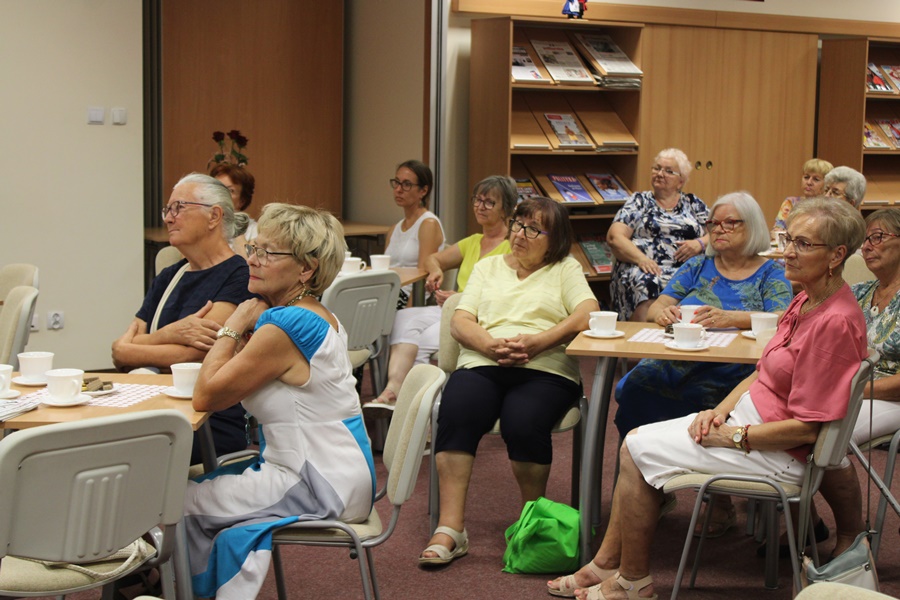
{"x":817,"y":166}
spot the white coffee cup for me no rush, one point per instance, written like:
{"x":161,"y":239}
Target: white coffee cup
{"x":687,"y":311}
{"x":687,"y":335}
{"x":5,"y":378}
{"x":184,"y":376}
{"x":761,"y":321}
{"x":64,"y":385}
{"x":353,"y":265}
{"x":765,"y":336}
{"x":603,"y":322}
{"x":34,"y":365}
{"x":380,"y":262}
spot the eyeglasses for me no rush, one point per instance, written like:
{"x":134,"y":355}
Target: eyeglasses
{"x":530,"y":232}
{"x":405,"y":185}
{"x":656,"y":169}
{"x":833,"y":192}
{"x":728,"y":225}
{"x":876,"y":238}
{"x":801,"y":245}
{"x":484,"y":201}
{"x":262,"y":255}
{"x":176,"y":207}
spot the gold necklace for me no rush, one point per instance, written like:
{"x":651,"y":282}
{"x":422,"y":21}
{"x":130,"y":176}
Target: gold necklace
{"x":303,"y":294}
{"x":827,"y":295}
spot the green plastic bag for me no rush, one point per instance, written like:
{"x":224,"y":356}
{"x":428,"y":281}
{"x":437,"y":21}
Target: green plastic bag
{"x":543,"y":540}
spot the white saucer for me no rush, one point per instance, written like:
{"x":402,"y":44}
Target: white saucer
{"x":673,"y":346}
{"x":79,"y":400}
{"x":28,"y":382}
{"x":115,"y":388}
{"x":604,"y":336}
{"x":171,"y":392}
{"x":749,"y":335}
{"x":10,"y":395}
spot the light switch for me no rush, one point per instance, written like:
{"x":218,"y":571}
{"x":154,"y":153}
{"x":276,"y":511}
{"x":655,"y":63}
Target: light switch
{"x":119,"y":116}
{"x":96,"y":115}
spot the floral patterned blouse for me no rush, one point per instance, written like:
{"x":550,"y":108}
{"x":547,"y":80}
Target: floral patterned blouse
{"x":881,"y":330}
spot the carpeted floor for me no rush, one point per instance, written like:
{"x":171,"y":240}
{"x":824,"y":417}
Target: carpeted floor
{"x":730,"y":566}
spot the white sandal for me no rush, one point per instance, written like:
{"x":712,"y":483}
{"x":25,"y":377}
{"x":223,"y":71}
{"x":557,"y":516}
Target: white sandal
{"x":444,"y":554}
{"x":631,"y":588}
{"x":567,"y":585}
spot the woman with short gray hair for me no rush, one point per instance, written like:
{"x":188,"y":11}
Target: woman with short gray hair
{"x":847,"y":184}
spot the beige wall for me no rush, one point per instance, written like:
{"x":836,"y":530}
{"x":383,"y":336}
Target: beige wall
{"x":72,"y":193}
{"x":867,"y":10}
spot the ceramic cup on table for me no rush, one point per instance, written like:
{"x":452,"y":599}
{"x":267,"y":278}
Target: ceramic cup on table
{"x":353,"y":265}
{"x":380,"y":262}
{"x":687,"y":312}
{"x":5,"y":378}
{"x":603,"y":322}
{"x":64,"y":385}
{"x":760,"y":322}
{"x":184,"y":377}
{"x":687,"y":335}
{"x":34,"y":365}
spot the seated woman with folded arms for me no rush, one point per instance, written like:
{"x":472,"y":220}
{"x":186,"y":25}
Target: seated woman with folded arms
{"x":513,"y":322}
{"x":767,"y":424}
{"x":416,"y":331}
{"x":188,"y":301}
{"x":295,"y":377}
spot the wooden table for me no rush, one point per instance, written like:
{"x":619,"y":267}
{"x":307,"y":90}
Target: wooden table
{"x":740,"y":350}
{"x":416,"y":277}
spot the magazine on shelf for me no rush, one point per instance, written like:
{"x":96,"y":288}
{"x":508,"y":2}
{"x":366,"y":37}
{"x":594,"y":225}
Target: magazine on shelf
{"x":892,"y":75}
{"x":523,"y":67}
{"x":597,"y":252}
{"x":876,"y":82}
{"x":602,"y":53}
{"x":600,"y":119}
{"x":891,"y":129}
{"x":570,"y":189}
{"x":561,"y":62}
{"x":567,"y":131}
{"x":618,"y":83}
{"x":526,"y":189}
{"x":609,"y":186}
{"x":873,"y":137}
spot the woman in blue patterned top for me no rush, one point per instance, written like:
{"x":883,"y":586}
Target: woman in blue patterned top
{"x":653,"y":234}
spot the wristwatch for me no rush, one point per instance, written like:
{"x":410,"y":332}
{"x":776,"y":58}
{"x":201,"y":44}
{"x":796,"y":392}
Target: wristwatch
{"x":228,"y":331}
{"x":738,"y":437}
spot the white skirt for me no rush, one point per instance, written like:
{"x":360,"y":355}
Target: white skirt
{"x":665,"y":449}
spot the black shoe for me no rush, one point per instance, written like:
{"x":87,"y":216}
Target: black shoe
{"x":784,"y":551}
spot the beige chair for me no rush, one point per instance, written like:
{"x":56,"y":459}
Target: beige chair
{"x":166,"y":257}
{"x":448,"y":354}
{"x":882,"y":483}
{"x":14,"y":275}
{"x":402,"y":458}
{"x":15,"y":323}
{"x":856,"y":271}
{"x":829,"y":450}
{"x":82,"y":495}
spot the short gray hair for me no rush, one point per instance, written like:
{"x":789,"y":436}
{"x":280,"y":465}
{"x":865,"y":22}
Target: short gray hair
{"x":213,"y":192}
{"x":684,"y":164}
{"x":754,"y":222}
{"x":840,"y":223}
{"x":505,"y":186}
{"x":856,"y":183}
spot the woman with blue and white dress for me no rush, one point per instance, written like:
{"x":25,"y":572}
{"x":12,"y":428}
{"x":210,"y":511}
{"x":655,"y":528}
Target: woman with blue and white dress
{"x":285,"y":357}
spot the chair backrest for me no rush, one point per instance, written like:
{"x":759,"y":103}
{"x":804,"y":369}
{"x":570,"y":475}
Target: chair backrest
{"x":166,"y":257}
{"x":16,"y":274}
{"x":405,"y":440}
{"x":365,"y":303}
{"x":855,"y":270}
{"x":448,"y":350}
{"x":77,"y":492}
{"x":15,"y":323}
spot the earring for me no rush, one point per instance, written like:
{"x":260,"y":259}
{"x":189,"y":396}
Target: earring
{"x":830,"y":274}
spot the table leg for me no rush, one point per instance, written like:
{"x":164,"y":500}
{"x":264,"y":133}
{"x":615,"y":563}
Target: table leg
{"x":207,"y":447}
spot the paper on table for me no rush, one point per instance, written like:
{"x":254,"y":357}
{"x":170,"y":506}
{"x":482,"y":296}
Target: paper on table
{"x":126,"y":394}
{"x":657,"y":336}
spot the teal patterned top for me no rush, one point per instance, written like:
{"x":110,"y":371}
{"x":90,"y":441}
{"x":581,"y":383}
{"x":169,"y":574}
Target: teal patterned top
{"x":881,"y":329}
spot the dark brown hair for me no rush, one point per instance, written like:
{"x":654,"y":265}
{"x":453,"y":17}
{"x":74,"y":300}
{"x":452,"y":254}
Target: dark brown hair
{"x":424,"y":176}
{"x":555,"y":221}
{"x":238,"y":176}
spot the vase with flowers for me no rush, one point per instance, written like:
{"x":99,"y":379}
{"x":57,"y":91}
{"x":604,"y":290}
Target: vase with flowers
{"x":235,"y":154}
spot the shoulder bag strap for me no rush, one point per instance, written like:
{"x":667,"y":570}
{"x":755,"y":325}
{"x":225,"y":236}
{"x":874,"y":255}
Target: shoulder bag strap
{"x":165,"y":296}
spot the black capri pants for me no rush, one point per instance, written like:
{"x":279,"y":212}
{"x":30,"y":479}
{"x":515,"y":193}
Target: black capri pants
{"x":528,"y":403}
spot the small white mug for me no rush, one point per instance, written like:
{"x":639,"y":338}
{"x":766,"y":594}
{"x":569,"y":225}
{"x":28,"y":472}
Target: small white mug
{"x":34,"y":365}
{"x":64,"y":385}
{"x":353,"y":265}
{"x":687,"y":335}
{"x":184,"y":377}
{"x":5,"y":378}
{"x":760,"y":322}
{"x":380,"y":262}
{"x":687,"y":312}
{"x":603,"y":322}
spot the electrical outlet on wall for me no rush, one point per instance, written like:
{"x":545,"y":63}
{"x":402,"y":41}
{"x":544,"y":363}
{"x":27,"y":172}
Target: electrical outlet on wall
{"x":55,"y":319}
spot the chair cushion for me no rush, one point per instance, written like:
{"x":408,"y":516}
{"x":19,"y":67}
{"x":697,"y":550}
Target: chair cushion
{"x":368,"y":529}
{"x":695,"y":480}
{"x":20,"y":575}
{"x":359,"y":357}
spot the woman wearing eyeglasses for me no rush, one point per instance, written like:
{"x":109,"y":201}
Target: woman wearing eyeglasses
{"x":294,"y":375}
{"x":844,"y":183}
{"x":766,"y":424}
{"x":420,"y":233}
{"x":416,"y":331}
{"x":653,"y":234}
{"x":513,"y":322}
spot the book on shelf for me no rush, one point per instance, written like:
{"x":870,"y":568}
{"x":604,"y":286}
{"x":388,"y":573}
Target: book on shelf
{"x":524,"y":131}
{"x":873,"y":137}
{"x":597,"y":252}
{"x":609,"y":186}
{"x":602,"y":53}
{"x":561,"y":62}
{"x":891,"y":130}
{"x":876,"y":82}
{"x":570,"y":189}
{"x":524,"y":67}
{"x":568,"y":133}
{"x":892,"y":75}
{"x":526,"y":189}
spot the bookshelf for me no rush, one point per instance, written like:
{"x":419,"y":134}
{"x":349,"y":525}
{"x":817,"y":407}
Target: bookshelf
{"x":844,"y":107}
{"x":508,"y":131}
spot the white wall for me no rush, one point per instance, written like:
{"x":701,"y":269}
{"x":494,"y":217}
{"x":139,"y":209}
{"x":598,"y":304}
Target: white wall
{"x":72,"y":193}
